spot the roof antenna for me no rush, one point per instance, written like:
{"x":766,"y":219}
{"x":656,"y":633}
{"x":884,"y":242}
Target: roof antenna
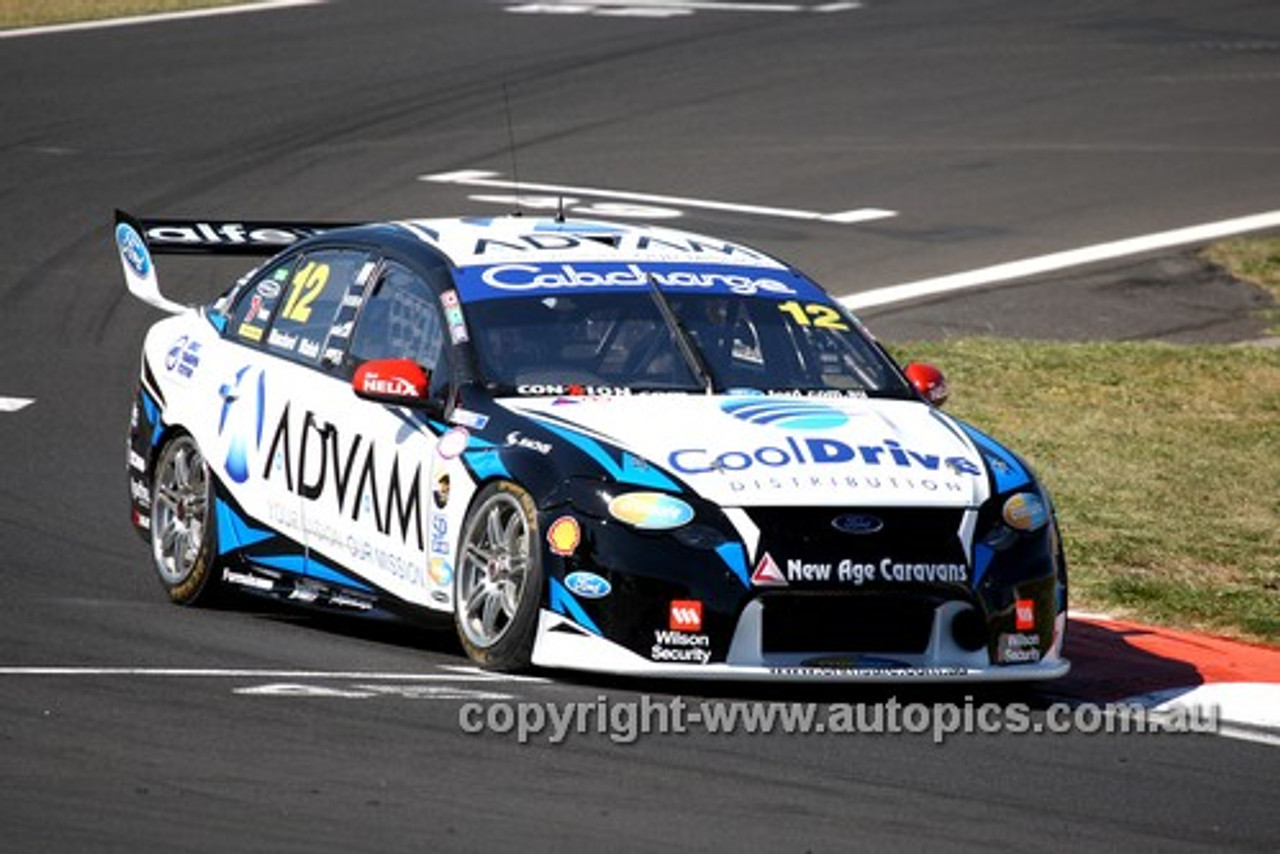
{"x":511,"y":141}
{"x":560,"y":209}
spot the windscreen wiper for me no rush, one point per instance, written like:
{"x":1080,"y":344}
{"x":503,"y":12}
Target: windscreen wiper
{"x":689,"y":350}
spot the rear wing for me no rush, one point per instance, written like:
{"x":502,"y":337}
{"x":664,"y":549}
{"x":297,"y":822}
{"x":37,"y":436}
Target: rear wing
{"x":138,"y":239}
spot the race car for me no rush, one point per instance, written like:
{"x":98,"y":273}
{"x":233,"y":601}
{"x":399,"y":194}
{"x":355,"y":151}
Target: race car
{"x":595,"y":446}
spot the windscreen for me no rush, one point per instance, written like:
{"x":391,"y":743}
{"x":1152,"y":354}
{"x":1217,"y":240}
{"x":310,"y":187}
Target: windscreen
{"x":603,"y":341}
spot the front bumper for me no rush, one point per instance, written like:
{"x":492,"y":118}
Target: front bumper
{"x":563,"y":644}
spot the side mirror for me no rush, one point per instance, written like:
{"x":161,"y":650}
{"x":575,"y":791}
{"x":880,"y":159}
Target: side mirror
{"x":400,"y":382}
{"x":928,"y":381}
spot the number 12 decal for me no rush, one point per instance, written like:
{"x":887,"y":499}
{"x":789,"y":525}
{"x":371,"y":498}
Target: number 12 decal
{"x":308,"y":283}
{"x":814,"y":314}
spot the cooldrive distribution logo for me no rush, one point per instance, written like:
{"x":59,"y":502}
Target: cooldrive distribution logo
{"x":786,"y":452}
{"x":787,"y":413}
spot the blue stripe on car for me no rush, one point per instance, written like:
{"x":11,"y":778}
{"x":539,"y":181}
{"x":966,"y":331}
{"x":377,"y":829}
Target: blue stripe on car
{"x":735,"y":556}
{"x":234,"y":532}
{"x":562,"y":602}
{"x":982,"y":555}
{"x":1004,"y":466}
{"x":484,"y":460}
{"x":630,"y":469}
{"x":323,"y":572}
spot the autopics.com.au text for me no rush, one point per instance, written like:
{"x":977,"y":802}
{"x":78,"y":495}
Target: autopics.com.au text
{"x":626,"y":721}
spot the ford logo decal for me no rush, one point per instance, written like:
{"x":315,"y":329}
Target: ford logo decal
{"x":588,"y":585}
{"x":857,"y":523}
{"x":133,"y":249}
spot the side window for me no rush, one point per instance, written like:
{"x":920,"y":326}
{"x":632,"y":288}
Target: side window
{"x":401,"y":319}
{"x":252,"y":312}
{"x":310,"y":300}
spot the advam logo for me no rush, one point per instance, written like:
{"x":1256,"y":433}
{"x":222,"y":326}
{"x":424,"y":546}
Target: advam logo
{"x":787,"y":413}
{"x":242,"y":423}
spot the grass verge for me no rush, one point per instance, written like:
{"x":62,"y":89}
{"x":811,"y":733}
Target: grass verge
{"x":1163,"y":462}
{"x":1255,"y":260}
{"x":33,"y":13}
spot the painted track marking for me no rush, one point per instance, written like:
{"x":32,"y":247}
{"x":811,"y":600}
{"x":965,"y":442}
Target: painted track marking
{"x":457,"y":674}
{"x":490,"y":180}
{"x":1001,"y":273}
{"x":13,"y":404}
{"x":106,"y":23}
{"x":669,"y":8}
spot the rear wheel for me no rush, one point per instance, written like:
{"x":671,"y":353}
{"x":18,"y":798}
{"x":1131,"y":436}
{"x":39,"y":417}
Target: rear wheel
{"x":182,"y":526}
{"x":499,"y":581}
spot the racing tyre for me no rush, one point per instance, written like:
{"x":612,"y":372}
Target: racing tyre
{"x":499,"y":581}
{"x":182,"y":524}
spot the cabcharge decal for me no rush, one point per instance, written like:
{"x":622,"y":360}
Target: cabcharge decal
{"x":529,"y":279}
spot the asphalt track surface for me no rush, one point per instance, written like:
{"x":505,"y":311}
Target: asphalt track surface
{"x":994,"y":130}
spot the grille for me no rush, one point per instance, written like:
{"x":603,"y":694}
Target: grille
{"x":846,"y":623}
{"x":907,"y":533}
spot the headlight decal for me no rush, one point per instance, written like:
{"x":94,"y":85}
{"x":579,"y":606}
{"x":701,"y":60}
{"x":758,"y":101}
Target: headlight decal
{"x":650,"y":511}
{"x":1025,"y":511}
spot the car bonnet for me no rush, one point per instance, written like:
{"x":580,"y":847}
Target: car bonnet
{"x":774,"y":451}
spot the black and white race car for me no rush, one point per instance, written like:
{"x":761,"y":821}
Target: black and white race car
{"x":595,"y":446}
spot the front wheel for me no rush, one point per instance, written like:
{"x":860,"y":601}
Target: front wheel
{"x":498,"y":585}
{"x":182,"y":525}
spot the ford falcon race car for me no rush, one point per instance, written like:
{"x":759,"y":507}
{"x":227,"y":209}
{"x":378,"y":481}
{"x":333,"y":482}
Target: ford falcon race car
{"x":595,"y":446}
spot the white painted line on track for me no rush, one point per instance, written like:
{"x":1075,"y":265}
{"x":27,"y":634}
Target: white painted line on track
{"x":483,"y":178}
{"x":669,"y":8}
{"x":160,"y":17}
{"x":463,"y":674}
{"x":1012,"y":270}
{"x":13,"y":404}
{"x":367,"y":692}
{"x":1247,"y":710}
